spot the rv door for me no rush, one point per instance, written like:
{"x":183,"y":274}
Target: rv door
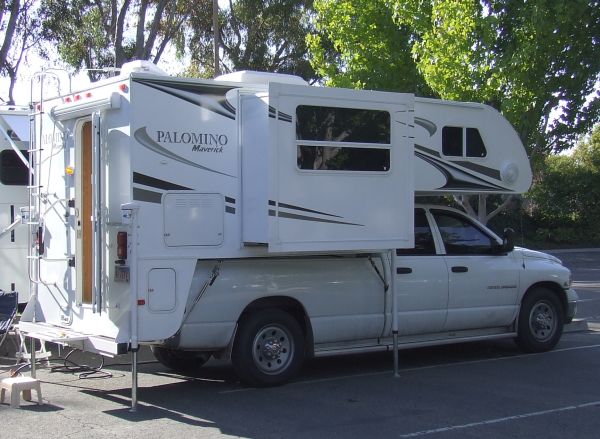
{"x":88,"y":260}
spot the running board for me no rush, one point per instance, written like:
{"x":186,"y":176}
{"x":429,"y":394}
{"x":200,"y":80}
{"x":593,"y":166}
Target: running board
{"x":67,"y":337}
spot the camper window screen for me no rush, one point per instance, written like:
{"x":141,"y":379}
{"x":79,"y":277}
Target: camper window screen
{"x":13,"y":171}
{"x":327,"y":138}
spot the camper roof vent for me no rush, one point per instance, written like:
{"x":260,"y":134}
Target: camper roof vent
{"x":253,"y":77}
{"x":141,"y":66}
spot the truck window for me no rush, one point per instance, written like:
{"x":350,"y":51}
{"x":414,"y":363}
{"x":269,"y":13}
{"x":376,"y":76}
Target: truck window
{"x":423,"y":239}
{"x":13,"y":171}
{"x":460,"y":236}
{"x":343,"y":139}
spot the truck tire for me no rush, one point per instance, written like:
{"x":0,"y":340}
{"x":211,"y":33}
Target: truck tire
{"x":268,"y":349}
{"x":541,"y":321}
{"x":180,"y":361}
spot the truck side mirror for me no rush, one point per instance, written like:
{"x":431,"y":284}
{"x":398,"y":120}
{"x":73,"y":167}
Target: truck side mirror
{"x":508,"y":240}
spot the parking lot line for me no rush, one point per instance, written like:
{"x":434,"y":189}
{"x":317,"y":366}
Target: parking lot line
{"x":413,"y":369}
{"x":499,"y":420}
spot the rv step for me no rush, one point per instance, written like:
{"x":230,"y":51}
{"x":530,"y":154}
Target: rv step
{"x":51,"y":333}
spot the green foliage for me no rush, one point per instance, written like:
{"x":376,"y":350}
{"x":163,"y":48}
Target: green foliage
{"x":525,"y":58}
{"x":566,"y":199}
{"x":256,"y":35}
{"x":357,"y":44}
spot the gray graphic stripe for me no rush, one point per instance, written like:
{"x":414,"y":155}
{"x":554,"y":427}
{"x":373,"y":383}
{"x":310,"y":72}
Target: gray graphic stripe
{"x":309,"y":218}
{"x":490,"y":172}
{"x":145,"y":195}
{"x":427,"y":150}
{"x":427,"y":124}
{"x":142,"y":136}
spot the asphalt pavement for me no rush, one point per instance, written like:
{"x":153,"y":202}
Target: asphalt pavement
{"x":473,"y":390}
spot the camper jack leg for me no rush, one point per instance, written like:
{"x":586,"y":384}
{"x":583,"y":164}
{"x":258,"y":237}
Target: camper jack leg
{"x":32,"y":359}
{"x":396,"y":373}
{"x":134,"y":379}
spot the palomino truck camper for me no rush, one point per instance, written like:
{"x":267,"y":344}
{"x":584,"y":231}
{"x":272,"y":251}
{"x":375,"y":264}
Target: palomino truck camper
{"x":258,"y":218}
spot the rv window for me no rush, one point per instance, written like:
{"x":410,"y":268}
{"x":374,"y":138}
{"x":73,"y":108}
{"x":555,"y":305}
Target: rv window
{"x":335,"y":158}
{"x":475,"y":146}
{"x":13,"y":171}
{"x":334,"y":124}
{"x":452,"y":141}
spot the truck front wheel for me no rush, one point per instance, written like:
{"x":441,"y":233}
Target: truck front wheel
{"x":540,"y":321}
{"x":268,"y":349}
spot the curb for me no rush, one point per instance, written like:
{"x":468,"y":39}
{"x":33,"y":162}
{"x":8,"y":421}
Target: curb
{"x":571,"y":250}
{"x":579,"y":325}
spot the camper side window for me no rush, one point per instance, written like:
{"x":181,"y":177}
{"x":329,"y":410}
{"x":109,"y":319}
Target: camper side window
{"x":13,"y":171}
{"x":343,"y":139}
{"x":453,"y":145}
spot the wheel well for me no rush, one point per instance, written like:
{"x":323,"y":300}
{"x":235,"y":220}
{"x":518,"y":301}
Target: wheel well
{"x":289,"y":305}
{"x":555,"y":288}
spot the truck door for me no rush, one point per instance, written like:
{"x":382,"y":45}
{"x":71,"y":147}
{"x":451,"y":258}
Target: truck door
{"x":483,"y":286}
{"x":421,"y":283}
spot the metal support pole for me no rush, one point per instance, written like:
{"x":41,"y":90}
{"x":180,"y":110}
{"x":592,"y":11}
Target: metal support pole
{"x":134,"y":379}
{"x":32,"y":359}
{"x":396,"y":366}
{"x":394,"y":311}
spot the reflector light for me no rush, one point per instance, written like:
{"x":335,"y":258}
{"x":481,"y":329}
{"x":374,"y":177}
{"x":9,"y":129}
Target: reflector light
{"x":124,"y":88}
{"x":69,"y":170}
{"x":141,"y":302}
{"x":122,"y":245}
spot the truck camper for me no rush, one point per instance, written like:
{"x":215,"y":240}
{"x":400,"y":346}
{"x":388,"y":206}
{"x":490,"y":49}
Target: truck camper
{"x":257,"y":218}
{"x":14,"y":178}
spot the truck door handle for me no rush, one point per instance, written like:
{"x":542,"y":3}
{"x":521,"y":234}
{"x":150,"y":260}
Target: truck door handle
{"x":459,"y":269}
{"x":403,"y":270}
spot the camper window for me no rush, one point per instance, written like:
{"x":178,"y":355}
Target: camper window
{"x":343,"y":139}
{"x":452,"y":142}
{"x":13,"y":171}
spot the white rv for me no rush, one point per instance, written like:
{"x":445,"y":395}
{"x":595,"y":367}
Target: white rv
{"x":14,"y":179}
{"x":260,"y":218}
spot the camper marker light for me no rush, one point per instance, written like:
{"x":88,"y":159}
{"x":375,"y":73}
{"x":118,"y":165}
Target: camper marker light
{"x":88,"y":95}
{"x":69,"y":170}
{"x":68,"y":99}
{"x":122,"y":245}
{"x":77,"y":97}
{"x":124,"y":88}
{"x":141,"y":302}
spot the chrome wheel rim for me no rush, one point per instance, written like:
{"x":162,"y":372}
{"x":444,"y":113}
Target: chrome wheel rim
{"x":542,"y":321}
{"x":273,"y":349}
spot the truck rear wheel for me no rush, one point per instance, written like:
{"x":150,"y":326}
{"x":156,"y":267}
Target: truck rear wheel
{"x":540,"y":321}
{"x":180,"y":361}
{"x":268,"y":348}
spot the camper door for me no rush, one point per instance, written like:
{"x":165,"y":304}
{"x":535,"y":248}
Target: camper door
{"x":87,"y":212}
{"x":340,"y":169}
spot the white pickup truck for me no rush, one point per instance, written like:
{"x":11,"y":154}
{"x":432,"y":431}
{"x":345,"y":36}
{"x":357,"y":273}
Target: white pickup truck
{"x":460,"y":283}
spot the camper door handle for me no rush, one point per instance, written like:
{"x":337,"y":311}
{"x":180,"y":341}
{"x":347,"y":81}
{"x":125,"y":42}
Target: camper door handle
{"x":403,"y":270}
{"x":459,"y":269}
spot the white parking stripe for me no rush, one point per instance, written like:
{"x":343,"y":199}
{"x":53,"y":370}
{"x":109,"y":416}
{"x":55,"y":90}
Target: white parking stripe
{"x":414,"y":369}
{"x":498,"y":420}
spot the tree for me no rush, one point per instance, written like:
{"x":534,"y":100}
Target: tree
{"x":96,"y":34}
{"x":357,"y":44}
{"x":20,"y":24}
{"x":530,"y":60}
{"x":566,"y":200}
{"x":256,"y":35}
